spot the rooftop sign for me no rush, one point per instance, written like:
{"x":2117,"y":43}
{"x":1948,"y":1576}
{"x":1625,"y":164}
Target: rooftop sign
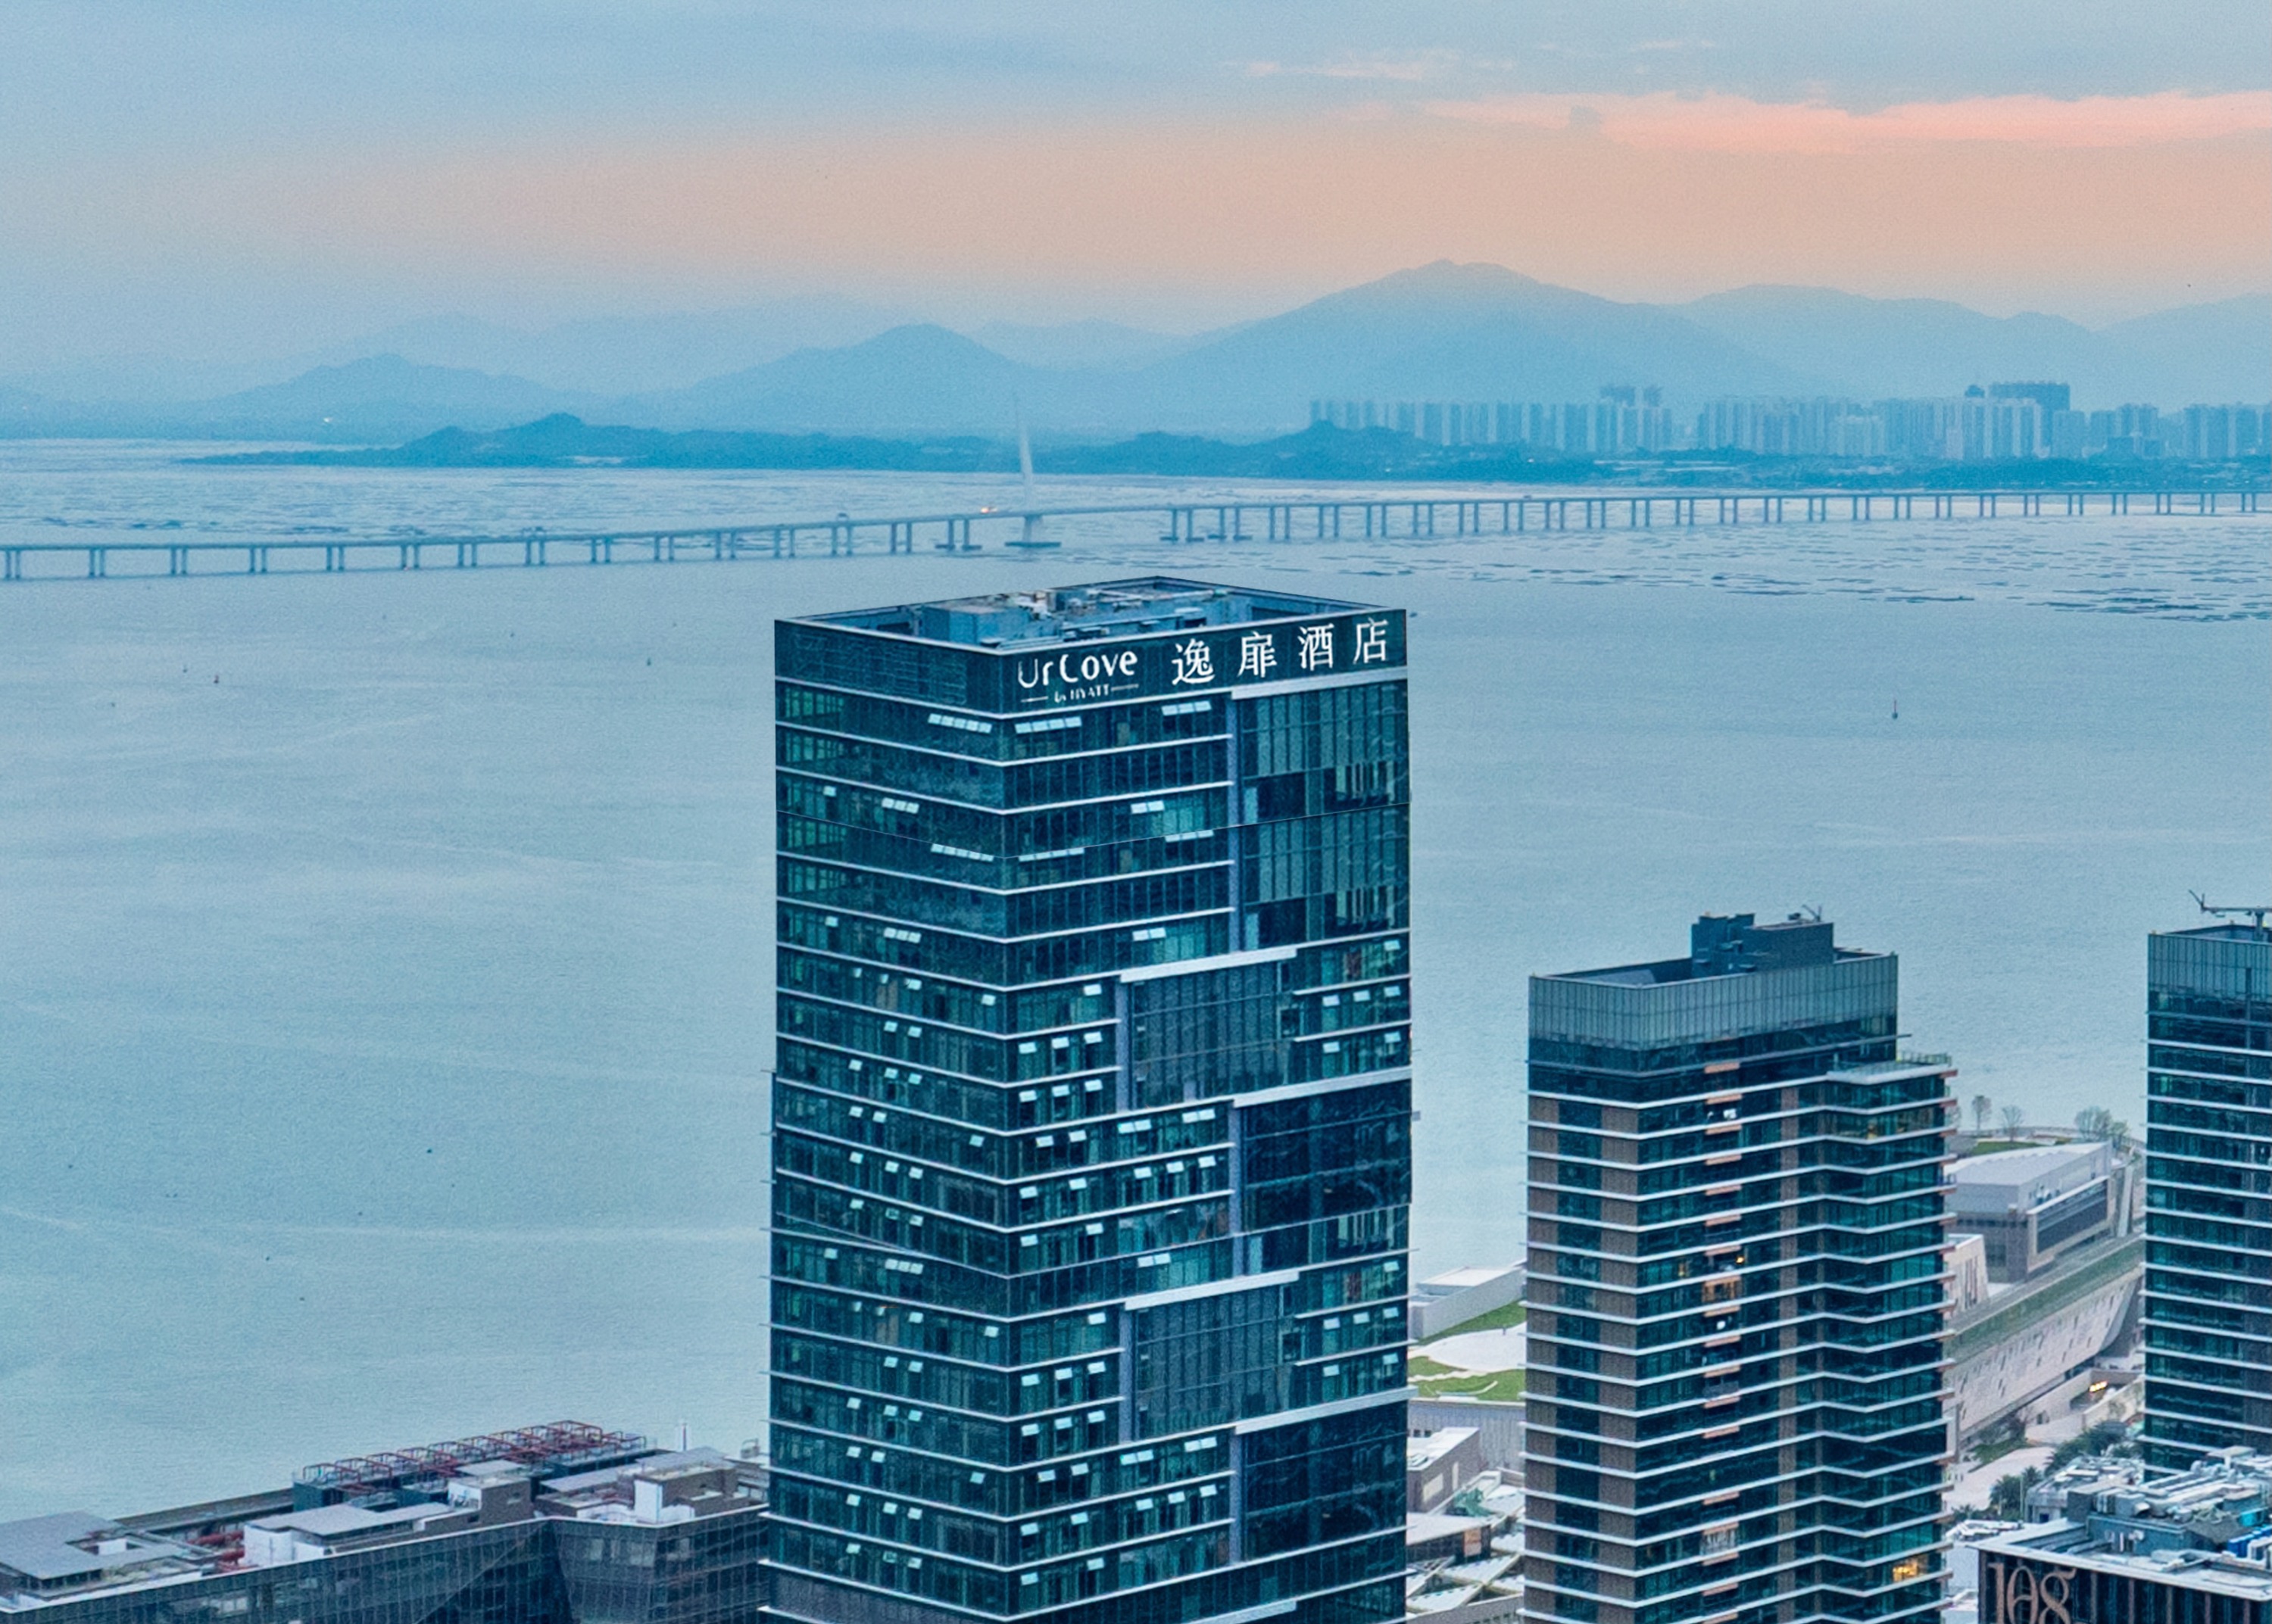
{"x":1197,"y":660}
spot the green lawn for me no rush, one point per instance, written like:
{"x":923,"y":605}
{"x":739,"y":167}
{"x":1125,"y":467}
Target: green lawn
{"x":1498,"y":1319}
{"x":1437,"y":1380}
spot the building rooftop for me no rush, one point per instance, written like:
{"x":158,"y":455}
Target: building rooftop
{"x":1422,"y":1527}
{"x":2026,"y":1177}
{"x":1731,"y":945}
{"x":2208,"y":1527}
{"x":2221,"y":932}
{"x":330,"y":1522}
{"x":1467,"y":1279}
{"x":71,"y":1554}
{"x":1739,"y":978}
{"x":2072,"y":1546}
{"x":1142,"y":606}
{"x":71,"y":1547}
{"x":1425,"y":1450}
{"x":2225,"y":962}
{"x":548,"y":1450}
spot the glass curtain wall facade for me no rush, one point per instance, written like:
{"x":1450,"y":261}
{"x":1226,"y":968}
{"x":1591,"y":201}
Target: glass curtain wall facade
{"x":2208,"y":1192}
{"x":1736,"y":1405}
{"x":1091,"y":1116}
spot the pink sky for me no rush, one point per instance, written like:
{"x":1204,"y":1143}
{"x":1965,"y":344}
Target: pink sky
{"x":1647,"y":197}
{"x":2096,"y":207}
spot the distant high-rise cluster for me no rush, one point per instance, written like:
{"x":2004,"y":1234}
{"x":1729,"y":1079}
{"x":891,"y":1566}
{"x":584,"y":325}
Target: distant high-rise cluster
{"x":1626,"y":418}
{"x":2003,"y":422}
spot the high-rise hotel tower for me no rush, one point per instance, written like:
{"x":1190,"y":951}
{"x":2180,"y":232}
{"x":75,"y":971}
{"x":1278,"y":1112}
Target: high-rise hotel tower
{"x":2208,"y":1192}
{"x":1091,"y":1133}
{"x":1736,"y":1408}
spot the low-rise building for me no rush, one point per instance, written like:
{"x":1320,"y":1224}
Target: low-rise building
{"x":1445,"y":1301}
{"x":565,"y":1523}
{"x":1968,"y":1274}
{"x":2117,"y":1541}
{"x":1438,"y":1464}
{"x":1498,"y":1424}
{"x":1466,"y":1559}
{"x":2033,"y":1205}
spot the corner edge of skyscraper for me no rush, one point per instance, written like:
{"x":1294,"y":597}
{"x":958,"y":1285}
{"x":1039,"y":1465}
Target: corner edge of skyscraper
{"x":1092,"y":1103}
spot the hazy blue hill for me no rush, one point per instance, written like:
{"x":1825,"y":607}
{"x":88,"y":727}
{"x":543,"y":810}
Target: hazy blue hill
{"x":151,"y":383}
{"x":913,"y":379}
{"x":1446,"y":330}
{"x":631,"y":355}
{"x":2220,"y":351}
{"x":1099,"y":346}
{"x":564,"y":441}
{"x":1870,"y":347}
{"x":378,"y":397}
{"x":1471,"y":332}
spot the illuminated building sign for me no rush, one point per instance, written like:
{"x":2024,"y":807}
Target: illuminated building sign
{"x":1207,"y":658}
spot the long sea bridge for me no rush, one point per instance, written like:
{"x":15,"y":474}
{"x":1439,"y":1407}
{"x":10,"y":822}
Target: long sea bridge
{"x":1025,"y":528}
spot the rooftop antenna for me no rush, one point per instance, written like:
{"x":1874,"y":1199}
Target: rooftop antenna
{"x":2255,"y":916}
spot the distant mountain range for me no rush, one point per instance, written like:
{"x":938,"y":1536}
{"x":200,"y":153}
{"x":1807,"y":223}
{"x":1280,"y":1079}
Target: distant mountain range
{"x":1441,"y":331}
{"x":1873,"y":347}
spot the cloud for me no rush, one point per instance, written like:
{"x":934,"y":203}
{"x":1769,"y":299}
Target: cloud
{"x":1727,"y":123}
{"x":1409,"y":69}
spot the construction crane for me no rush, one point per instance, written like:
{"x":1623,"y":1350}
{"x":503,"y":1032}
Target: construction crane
{"x":2255,"y":916}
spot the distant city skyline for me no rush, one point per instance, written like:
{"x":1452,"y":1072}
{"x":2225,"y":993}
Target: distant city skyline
{"x":256,"y":178}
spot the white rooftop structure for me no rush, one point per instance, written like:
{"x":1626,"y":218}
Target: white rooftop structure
{"x":2004,"y":1181}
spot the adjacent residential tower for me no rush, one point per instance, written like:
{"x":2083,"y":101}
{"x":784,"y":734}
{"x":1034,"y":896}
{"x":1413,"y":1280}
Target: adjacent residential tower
{"x":1736,"y":1411}
{"x":2208,"y":1192}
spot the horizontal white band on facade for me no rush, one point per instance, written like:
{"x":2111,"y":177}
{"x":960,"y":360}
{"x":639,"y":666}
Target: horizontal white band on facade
{"x":936,"y":798}
{"x":1219,"y":961}
{"x":824,"y":729}
{"x":1255,"y":1615}
{"x":950,"y":884}
{"x":1319,"y":1413}
{"x":964,"y":932}
{"x":1214,"y":1288}
{"x":1319,"y":1085}
{"x":983,"y":990}
{"x":1306,"y":684}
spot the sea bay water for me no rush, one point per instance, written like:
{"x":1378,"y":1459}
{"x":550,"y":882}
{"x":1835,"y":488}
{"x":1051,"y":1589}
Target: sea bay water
{"x":382,"y":1049}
